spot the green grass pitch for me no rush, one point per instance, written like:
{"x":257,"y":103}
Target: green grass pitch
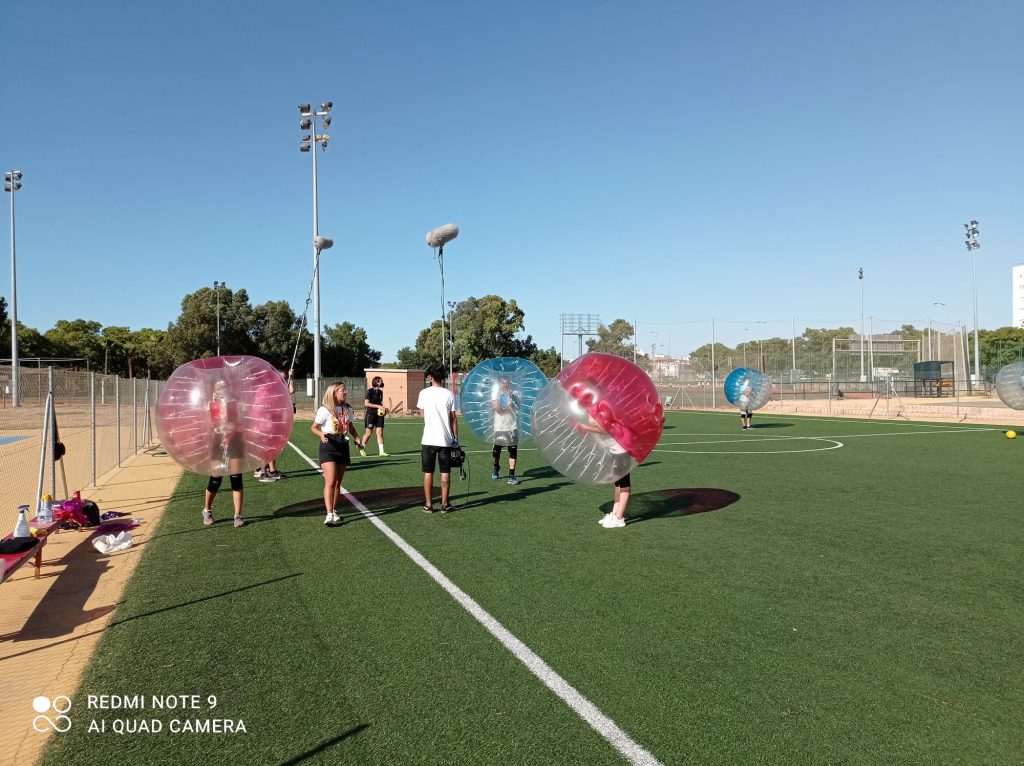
{"x":811,"y":591}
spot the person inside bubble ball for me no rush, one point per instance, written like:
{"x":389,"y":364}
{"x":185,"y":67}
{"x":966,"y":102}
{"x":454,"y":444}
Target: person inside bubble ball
{"x":616,"y":518}
{"x":334,"y":420}
{"x":505,"y":405}
{"x":374,"y":415}
{"x":746,"y":412}
{"x":227,"y":451}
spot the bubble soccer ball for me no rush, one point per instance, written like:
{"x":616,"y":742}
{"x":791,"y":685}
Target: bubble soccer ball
{"x":1010,"y":385}
{"x":224,"y":415}
{"x":597,"y":419}
{"x":748,"y":389}
{"x":497,"y":399}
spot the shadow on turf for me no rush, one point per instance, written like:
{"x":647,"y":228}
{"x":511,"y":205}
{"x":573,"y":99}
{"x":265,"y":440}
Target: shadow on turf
{"x":379,"y":502}
{"x":327,"y":743}
{"x":771,"y":425}
{"x":666,"y":503}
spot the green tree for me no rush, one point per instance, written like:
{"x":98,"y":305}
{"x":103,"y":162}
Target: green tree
{"x":32,"y":344}
{"x":275,"y":332}
{"x":5,"y":327}
{"x":77,"y":338}
{"x":118,"y":351}
{"x":486,"y":328}
{"x":612,"y":339}
{"x":344,"y":350}
{"x":549,"y":361}
{"x":194,"y":335}
{"x":411,"y":359}
{"x":998,"y":348}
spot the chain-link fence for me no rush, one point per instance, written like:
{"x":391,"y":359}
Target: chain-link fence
{"x":101,"y":420}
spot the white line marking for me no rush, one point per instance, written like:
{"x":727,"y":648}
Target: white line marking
{"x":584,"y":708}
{"x":835,"y":445}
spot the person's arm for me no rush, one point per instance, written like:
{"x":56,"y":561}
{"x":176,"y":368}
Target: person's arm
{"x":291,"y":382}
{"x":318,"y":430}
{"x":453,"y":422}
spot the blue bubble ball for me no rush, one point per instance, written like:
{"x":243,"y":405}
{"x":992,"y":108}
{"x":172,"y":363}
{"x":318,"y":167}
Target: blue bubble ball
{"x":497,"y":399}
{"x":748,"y":389}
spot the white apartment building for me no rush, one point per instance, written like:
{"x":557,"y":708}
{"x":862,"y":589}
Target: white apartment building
{"x":1018,"y":295}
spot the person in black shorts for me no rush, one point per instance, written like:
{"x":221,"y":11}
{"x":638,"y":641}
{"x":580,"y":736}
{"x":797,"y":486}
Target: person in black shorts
{"x":227,"y":451}
{"x":374,"y":417}
{"x":334,"y":420}
{"x":440,"y":434}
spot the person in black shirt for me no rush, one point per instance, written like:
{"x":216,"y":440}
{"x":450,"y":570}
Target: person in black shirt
{"x":375,"y":412}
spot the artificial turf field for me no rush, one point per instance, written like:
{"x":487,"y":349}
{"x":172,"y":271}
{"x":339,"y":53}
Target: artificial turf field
{"x":811,"y":591}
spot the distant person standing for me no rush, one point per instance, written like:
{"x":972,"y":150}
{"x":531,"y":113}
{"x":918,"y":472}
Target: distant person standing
{"x":227,"y":451}
{"x":374,"y":417}
{"x":440,"y":433}
{"x":268,"y":473}
{"x":505,"y":405}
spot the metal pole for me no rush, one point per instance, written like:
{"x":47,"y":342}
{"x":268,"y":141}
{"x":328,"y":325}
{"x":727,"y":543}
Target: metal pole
{"x":217,"y":286}
{"x":977,"y":356}
{"x":92,"y":422}
{"x":15,"y":393}
{"x":316,"y":275}
{"x":440,"y":262}
{"x":50,"y":447}
{"x":714,"y":382}
{"x":794,"y":348}
{"x":862,"y":325}
{"x":117,"y":417}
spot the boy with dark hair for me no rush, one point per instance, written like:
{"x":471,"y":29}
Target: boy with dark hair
{"x":440,"y":433}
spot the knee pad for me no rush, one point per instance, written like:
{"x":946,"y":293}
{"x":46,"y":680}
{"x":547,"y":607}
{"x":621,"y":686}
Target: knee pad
{"x":236,"y":482}
{"x":214,"y":483}
{"x":513,"y":452}
{"x":496,"y":452}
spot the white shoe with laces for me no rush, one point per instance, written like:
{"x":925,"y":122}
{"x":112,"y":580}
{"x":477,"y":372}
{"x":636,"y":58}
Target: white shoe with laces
{"x":613,"y":522}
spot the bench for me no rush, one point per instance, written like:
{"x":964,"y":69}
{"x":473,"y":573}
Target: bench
{"x":10,"y":562}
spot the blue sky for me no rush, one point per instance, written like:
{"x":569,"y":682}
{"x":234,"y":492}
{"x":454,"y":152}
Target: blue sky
{"x":663,"y":162}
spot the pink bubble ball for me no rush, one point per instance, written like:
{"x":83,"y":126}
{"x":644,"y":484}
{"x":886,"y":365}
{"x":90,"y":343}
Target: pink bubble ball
{"x":224,"y":414}
{"x":598,"y":419}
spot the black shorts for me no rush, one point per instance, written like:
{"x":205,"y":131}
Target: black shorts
{"x":429,"y":455}
{"x":335,"y":451}
{"x":623,"y":482}
{"x":373,"y":419}
{"x":746,"y":413}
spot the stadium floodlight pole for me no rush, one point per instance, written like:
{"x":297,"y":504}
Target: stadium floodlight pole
{"x":972,"y":245}
{"x":313,"y":119}
{"x":860,"y":276}
{"x":12,"y":183}
{"x":216,"y":288}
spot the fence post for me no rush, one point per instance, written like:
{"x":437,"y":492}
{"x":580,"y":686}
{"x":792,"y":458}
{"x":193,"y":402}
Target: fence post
{"x":117,"y":418}
{"x":135,"y":418}
{"x":92,"y":421}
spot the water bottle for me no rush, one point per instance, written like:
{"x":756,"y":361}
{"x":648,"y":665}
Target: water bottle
{"x":45,"y":515}
{"x":21,"y":528}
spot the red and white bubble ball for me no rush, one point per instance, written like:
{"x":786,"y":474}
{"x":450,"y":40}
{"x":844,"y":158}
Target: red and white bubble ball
{"x":597,"y":419}
{"x":224,"y":414}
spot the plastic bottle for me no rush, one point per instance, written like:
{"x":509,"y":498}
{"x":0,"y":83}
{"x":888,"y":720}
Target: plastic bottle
{"x":21,"y":528}
{"x":45,"y":515}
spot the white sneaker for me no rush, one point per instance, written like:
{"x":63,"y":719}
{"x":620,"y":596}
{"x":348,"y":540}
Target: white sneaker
{"x":604,"y":519}
{"x":614,"y":523}
{"x":329,"y":519}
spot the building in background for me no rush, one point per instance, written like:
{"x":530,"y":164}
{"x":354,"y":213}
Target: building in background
{"x":1018,"y":295}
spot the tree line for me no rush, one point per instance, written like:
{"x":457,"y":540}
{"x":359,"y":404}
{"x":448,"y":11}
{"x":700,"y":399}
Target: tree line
{"x":479,"y":328}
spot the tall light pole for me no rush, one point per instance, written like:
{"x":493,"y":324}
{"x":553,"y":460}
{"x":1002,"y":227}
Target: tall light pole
{"x":972,"y":245}
{"x":451,"y":344}
{"x":12,"y":183}
{"x":315,"y":120}
{"x":216,"y":287}
{"x":860,"y":276}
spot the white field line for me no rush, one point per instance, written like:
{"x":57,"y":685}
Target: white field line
{"x":584,"y":708}
{"x":837,"y":436}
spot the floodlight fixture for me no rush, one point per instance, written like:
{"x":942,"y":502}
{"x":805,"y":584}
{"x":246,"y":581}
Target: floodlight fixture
{"x":327,"y":121}
{"x":326,"y":106}
{"x":303,"y":109}
{"x":305,"y":123}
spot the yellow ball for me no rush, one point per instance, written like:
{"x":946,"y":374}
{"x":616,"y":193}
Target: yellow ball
{"x":1011,"y":434}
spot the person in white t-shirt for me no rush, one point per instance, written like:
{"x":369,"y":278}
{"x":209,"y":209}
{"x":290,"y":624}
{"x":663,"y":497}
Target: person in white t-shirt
{"x":333,"y":421}
{"x":505,"y":405}
{"x":440,"y":433}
